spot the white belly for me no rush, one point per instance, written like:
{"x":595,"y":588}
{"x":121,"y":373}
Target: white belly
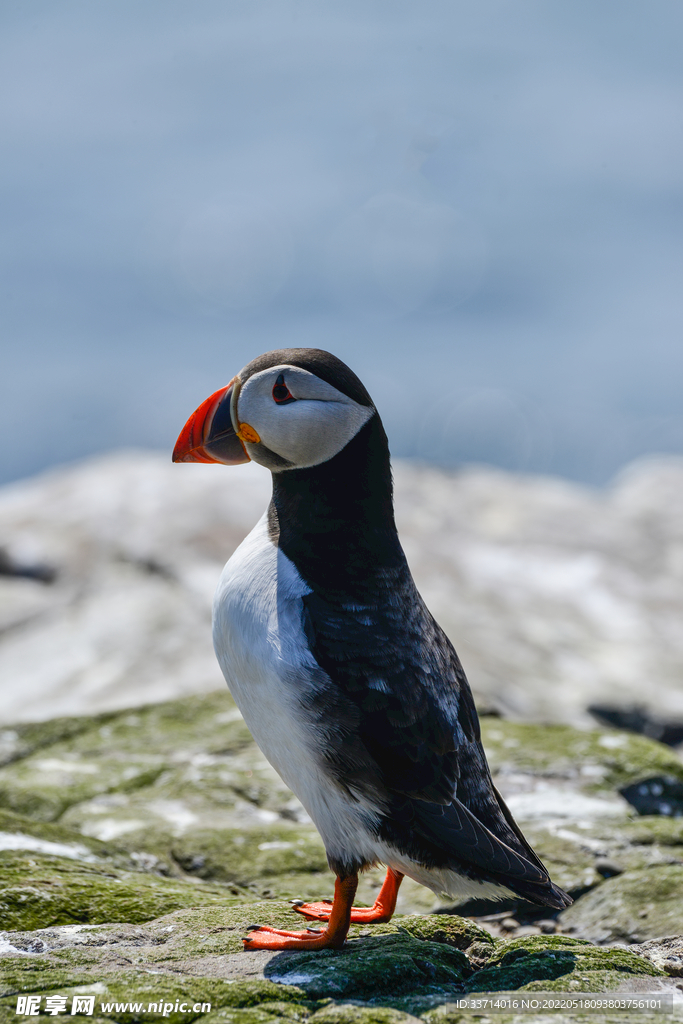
{"x":262,"y":650}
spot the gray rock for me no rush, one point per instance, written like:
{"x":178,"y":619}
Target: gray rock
{"x":665,"y":953}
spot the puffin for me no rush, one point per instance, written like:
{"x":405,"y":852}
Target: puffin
{"x":349,"y":687}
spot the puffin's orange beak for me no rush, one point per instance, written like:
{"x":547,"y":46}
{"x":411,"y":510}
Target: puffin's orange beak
{"x":208,"y":435}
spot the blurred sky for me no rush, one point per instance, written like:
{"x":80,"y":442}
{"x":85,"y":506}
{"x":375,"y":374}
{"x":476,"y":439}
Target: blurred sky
{"x":477,"y":205}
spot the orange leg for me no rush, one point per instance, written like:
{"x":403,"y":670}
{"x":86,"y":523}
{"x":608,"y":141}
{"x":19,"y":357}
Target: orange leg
{"x":382,"y":911}
{"x":333,"y":936}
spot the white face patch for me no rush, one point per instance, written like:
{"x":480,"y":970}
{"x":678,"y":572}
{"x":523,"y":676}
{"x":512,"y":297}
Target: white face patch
{"x":308,"y":431}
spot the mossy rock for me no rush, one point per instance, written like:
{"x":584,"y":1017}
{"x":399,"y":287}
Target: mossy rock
{"x":124,"y":752}
{"x":220,"y":814}
{"x":33,"y":974}
{"x":243,"y":855}
{"x":274,"y":1012}
{"x":24,"y":738}
{"x":594,"y":761}
{"x":389,"y":966}
{"x":370,"y":967}
{"x":165,"y":992}
{"x":632,"y":907}
{"x":204,"y":823}
{"x":347,"y":1013}
{"x":389,"y":977}
{"x":221,"y":929}
{"x":570,"y":862}
{"x":557,"y":962}
{"x":448,"y":929}
{"x":587,"y":850}
{"x":653,"y":830}
{"x":40,"y":891}
{"x":183,"y":784}
{"x":451,"y":1013}
{"x":19,"y":832}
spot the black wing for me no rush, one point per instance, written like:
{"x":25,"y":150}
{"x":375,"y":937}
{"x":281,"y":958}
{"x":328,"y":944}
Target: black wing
{"x":401,"y":725}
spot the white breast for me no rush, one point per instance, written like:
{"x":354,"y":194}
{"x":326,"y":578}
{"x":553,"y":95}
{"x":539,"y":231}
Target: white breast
{"x":262,"y":650}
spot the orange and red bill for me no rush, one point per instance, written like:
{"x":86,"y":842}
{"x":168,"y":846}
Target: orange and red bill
{"x":209,"y":435}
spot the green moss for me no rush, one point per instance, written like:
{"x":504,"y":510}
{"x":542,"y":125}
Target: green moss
{"x":653,"y":829}
{"x":618,"y":758}
{"x":259,"y":992}
{"x":33,"y":974}
{"x":119,"y":753}
{"x":312,"y":886}
{"x":546,"y":959}
{"x":447,"y":928}
{"x":450,"y":1013}
{"x":79,"y":846}
{"x":44,"y":785}
{"x":270,"y":1013}
{"x":40,"y":891}
{"x":25,"y":738}
{"x":633,"y":907}
{"x":244,"y":855}
{"x":124,"y":987}
{"x":163,"y":989}
{"x":570,"y":864}
{"x":346,"y":1013}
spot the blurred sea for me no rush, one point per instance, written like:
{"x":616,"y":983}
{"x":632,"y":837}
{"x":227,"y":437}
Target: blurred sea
{"x":477,"y":206}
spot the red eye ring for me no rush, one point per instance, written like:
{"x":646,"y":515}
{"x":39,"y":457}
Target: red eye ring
{"x":281,"y":393}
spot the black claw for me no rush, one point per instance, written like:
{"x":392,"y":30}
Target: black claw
{"x":297,"y":903}
{"x":253,"y":927}
{"x":316,"y":931}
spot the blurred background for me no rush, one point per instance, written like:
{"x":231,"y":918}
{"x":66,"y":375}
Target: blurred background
{"x":478,"y":206}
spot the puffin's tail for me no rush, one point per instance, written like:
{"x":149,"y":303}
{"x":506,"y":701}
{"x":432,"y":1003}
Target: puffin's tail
{"x":458,"y":840}
{"x":548,"y":895}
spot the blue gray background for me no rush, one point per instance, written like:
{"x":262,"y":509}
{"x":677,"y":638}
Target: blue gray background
{"x":477,"y":205}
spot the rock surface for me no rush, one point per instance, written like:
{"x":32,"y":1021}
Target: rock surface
{"x":556,"y":596}
{"x":137,"y":847}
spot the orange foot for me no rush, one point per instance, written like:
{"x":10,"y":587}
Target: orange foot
{"x":333,"y":937}
{"x":272,"y":938}
{"x":382,"y":910}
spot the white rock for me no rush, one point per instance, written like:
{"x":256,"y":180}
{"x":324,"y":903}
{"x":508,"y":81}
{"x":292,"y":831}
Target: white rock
{"x":556,"y":596}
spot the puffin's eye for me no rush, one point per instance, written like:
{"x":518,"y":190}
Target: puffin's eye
{"x":281,"y":393}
